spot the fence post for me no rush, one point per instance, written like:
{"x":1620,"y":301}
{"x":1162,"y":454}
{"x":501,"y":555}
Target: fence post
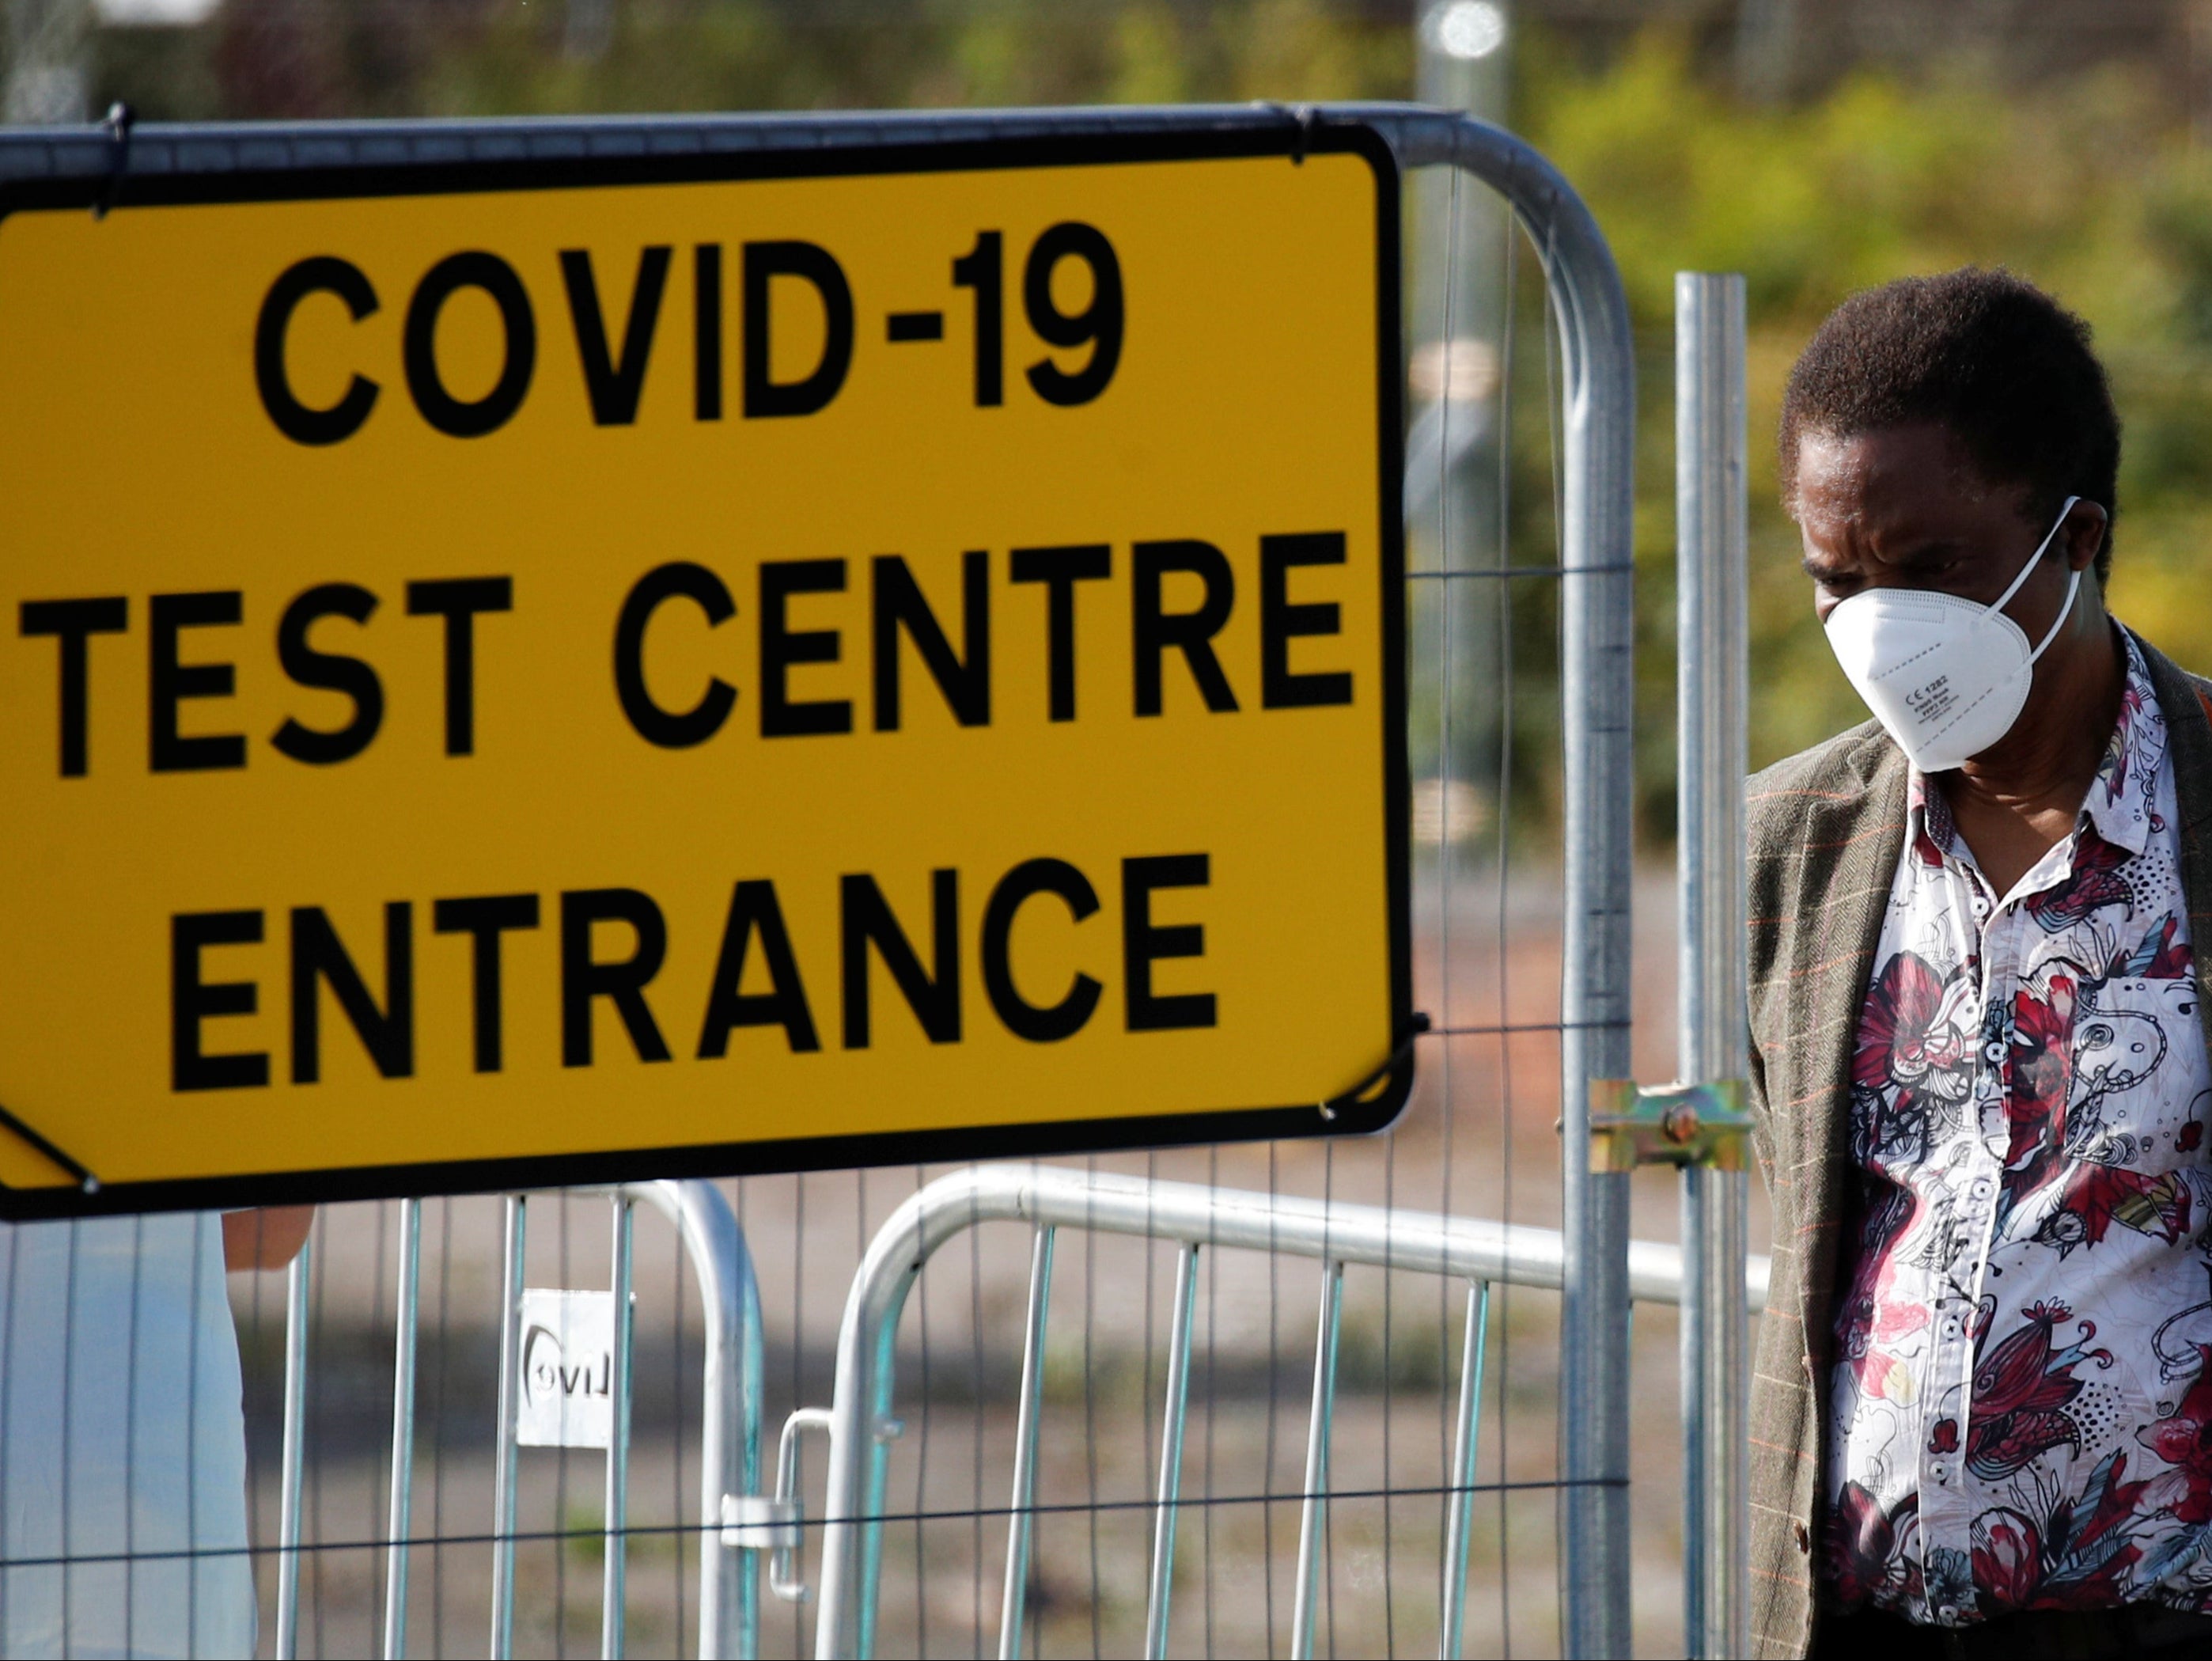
{"x":503,"y":1459}
{"x":615,"y":1522}
{"x":1020,"y":1524}
{"x":1714,"y":683}
{"x":1459,"y":1519}
{"x":1597,"y":672}
{"x":1160,"y":1601}
{"x":295,"y":1451}
{"x":403,"y":1429}
{"x":729,"y":1443}
{"x":1313,"y":1506}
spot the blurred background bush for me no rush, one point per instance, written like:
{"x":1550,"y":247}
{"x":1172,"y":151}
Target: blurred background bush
{"x":1816,"y":148}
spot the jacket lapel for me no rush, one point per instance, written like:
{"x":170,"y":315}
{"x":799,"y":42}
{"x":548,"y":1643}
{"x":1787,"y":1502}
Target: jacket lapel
{"x":1840,"y":933}
{"x":2186,"y":703}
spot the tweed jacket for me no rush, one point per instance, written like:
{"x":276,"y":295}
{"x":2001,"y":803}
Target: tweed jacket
{"x":1826,"y":829}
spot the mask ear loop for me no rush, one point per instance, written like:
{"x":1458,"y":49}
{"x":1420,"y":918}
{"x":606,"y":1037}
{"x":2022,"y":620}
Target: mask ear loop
{"x":2072,"y":583}
{"x":2037,"y":555}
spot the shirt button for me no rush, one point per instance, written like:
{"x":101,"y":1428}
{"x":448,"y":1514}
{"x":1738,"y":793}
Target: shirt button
{"x":1992,"y":1051}
{"x":1804,"y":1541}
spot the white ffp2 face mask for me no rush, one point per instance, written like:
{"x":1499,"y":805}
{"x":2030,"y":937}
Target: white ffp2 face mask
{"x":1947,"y":678}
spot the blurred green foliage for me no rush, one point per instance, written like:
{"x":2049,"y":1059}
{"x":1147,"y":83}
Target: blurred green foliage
{"x":2094,"y":186}
{"x":305,"y":58}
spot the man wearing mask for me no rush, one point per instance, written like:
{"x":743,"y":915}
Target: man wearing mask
{"x":1982,"y":1415}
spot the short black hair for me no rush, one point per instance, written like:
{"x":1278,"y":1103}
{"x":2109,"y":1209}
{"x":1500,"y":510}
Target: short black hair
{"x":1988,"y":355}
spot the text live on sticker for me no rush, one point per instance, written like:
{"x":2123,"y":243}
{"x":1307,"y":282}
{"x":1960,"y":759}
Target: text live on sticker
{"x":511,"y":684}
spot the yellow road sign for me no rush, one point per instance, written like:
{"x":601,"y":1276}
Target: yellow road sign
{"x":733,"y":664}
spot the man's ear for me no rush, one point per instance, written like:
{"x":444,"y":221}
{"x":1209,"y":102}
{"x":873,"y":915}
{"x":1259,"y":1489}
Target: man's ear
{"x":2085,"y":533}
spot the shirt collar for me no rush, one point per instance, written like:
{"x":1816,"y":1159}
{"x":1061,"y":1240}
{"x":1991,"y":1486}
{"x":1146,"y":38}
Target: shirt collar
{"x":2118,"y":806}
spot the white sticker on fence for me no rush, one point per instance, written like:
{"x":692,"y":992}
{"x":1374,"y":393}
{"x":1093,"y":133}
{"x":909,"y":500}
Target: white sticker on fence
{"x":568,"y":1369}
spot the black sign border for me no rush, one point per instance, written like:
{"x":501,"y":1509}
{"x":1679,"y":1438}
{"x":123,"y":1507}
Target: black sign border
{"x":1367,"y":1106}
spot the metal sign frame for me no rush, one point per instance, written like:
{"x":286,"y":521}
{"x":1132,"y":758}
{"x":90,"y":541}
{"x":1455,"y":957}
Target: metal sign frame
{"x":118,"y":167}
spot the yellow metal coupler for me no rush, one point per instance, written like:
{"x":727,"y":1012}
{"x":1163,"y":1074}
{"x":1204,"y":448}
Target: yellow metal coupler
{"x":1676,"y":1124}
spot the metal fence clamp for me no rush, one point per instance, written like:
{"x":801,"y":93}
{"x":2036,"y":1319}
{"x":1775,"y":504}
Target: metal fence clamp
{"x":1692,"y":1126}
{"x":762,"y":1522}
{"x":780,"y":1517}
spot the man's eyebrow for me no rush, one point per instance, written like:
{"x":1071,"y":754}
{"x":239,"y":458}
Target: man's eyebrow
{"x":1921,"y":555}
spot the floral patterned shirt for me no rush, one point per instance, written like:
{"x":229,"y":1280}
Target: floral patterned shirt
{"x":2021,"y":1405}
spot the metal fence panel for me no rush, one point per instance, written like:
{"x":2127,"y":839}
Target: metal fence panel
{"x":1062,"y":1480}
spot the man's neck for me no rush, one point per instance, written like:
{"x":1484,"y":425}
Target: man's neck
{"x":2019,"y":799}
